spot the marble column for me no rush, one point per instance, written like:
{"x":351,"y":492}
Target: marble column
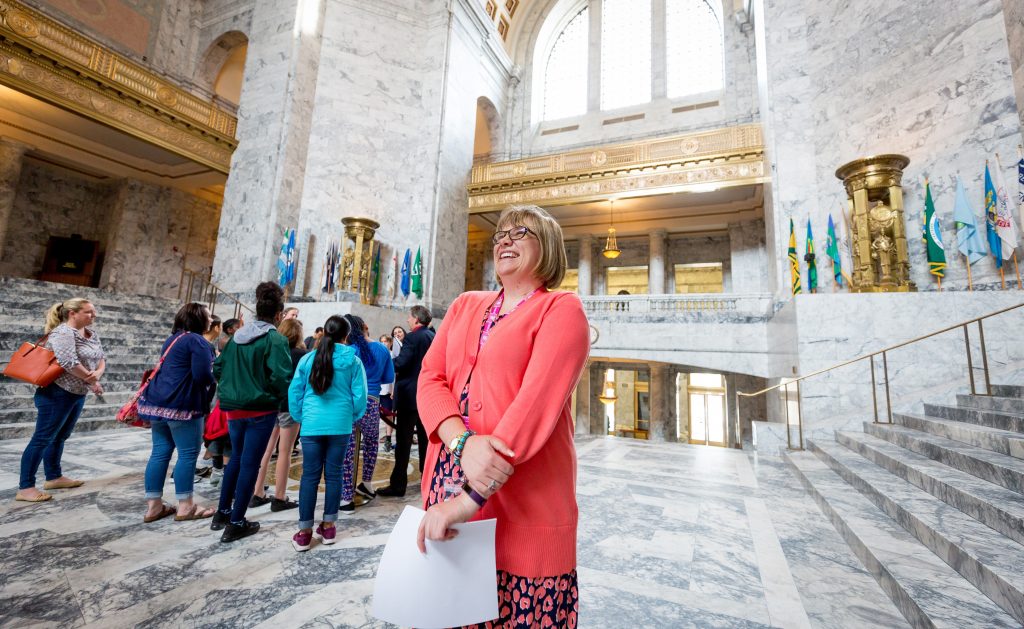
{"x":597,"y":423}
{"x":656,"y":265}
{"x":584,"y":400}
{"x":662,"y":417}
{"x":136,"y":241}
{"x":263,"y":194}
{"x":585,"y":265}
{"x":11,"y":154}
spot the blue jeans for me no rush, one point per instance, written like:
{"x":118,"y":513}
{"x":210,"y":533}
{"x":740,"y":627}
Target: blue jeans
{"x":249,"y":438}
{"x":168,"y":435}
{"x":321,"y":454}
{"x":58,"y":414}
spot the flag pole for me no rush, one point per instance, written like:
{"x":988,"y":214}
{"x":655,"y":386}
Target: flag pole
{"x":970,"y":282}
{"x":1016,"y":268}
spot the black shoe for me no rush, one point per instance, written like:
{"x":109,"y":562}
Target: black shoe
{"x":259,"y":501}
{"x":390,"y":492}
{"x":282,"y":505}
{"x":235,"y":532}
{"x":220,"y":520}
{"x":365,"y":492}
{"x":347,"y":509}
{"x":204,"y":472}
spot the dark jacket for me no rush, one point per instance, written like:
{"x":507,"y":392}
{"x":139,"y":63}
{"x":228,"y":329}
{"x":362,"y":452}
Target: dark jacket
{"x":296,"y":353}
{"x":184,"y":382}
{"x":254,"y":369}
{"x":408,"y":364}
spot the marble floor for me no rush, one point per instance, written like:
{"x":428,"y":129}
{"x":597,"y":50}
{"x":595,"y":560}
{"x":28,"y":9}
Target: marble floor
{"x":671,"y":535}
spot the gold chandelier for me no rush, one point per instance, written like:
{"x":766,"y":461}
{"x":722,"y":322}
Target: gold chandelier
{"x":611,"y":246}
{"x":608,"y":395}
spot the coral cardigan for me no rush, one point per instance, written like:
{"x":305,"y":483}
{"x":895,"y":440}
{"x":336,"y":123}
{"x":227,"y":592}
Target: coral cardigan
{"x":520,"y":392}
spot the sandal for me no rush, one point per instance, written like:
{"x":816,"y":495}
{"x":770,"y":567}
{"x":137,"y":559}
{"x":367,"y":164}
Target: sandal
{"x":40,"y":497}
{"x":195,"y":514}
{"x":165,"y":510}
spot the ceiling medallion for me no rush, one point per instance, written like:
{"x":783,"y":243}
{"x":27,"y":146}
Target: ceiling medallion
{"x":598,"y":158}
{"x":166,"y":95}
{"x":689,"y":146}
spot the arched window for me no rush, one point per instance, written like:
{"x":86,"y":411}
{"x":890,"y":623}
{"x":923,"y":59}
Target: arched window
{"x":694,"y":53}
{"x":565,"y":74}
{"x":625,"y":53}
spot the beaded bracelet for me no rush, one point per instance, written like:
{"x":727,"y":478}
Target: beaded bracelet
{"x":457,"y":452}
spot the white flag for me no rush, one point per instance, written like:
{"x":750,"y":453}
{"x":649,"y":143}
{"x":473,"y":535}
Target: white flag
{"x":1005,"y":225}
{"x":389,"y":283}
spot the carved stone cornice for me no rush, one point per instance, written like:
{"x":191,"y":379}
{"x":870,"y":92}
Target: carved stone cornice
{"x":721,"y":158}
{"x":41,"y":57}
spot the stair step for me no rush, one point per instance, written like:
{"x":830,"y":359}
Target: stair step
{"x":25,"y":400}
{"x":24,"y":430}
{"x":1008,"y":390}
{"x":926,"y":590}
{"x":994,"y":439}
{"x":985,"y":558}
{"x":997,"y":507}
{"x":96,"y":409}
{"x":1000,"y":469}
{"x":992,"y":419}
{"x":992,"y":403}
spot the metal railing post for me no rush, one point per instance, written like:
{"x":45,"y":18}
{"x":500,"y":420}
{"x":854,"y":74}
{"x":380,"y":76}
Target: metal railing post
{"x":984,"y":358}
{"x":874,"y":389}
{"x":799,"y":415}
{"x":970,"y":363}
{"x":888,"y":399}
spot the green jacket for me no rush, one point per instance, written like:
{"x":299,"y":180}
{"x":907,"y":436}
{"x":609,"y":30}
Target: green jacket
{"x":254,"y":370}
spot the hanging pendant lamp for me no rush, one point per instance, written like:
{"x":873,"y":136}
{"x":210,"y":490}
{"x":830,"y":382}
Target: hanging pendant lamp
{"x":608,"y":395}
{"x":611,"y":246}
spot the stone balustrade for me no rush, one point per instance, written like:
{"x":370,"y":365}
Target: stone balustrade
{"x":667,"y":306}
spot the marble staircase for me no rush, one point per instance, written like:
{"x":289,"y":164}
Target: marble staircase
{"x":131,"y":328}
{"x":933,"y":506}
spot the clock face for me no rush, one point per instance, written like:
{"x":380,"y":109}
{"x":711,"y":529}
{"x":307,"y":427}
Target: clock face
{"x":594,"y":335}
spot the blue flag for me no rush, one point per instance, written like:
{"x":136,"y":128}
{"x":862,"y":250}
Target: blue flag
{"x":995,"y":244}
{"x":968,"y":238}
{"x":286,"y":260}
{"x":406,"y":263}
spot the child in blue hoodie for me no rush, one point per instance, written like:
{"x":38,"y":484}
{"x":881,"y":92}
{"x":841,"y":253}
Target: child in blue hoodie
{"x":326,"y":396}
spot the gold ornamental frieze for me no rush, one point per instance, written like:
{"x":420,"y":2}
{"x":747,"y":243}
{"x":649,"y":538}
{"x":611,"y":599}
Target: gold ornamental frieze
{"x":719,"y":158}
{"x":41,"y":57}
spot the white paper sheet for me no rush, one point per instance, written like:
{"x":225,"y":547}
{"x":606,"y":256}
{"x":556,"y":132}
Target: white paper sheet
{"x":452,"y":585}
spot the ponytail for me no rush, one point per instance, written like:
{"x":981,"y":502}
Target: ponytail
{"x":58,"y":313}
{"x":322,"y":375}
{"x":357,"y":339}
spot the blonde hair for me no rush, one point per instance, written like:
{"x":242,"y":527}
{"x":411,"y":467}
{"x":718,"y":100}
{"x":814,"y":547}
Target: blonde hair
{"x":58,"y":313}
{"x":291,"y":329}
{"x":550,"y":268}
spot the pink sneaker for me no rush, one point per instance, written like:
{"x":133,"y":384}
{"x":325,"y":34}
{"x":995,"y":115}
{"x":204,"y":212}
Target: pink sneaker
{"x":301,"y":541}
{"x":325,"y":535}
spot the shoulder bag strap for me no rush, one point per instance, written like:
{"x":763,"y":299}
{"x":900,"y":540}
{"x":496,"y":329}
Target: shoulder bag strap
{"x":161,"y":361}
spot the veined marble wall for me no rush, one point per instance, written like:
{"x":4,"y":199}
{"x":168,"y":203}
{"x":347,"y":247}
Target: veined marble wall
{"x":1013,"y":15}
{"x":836,"y":86}
{"x":737,"y":101}
{"x":836,"y":327}
{"x":51,"y":201}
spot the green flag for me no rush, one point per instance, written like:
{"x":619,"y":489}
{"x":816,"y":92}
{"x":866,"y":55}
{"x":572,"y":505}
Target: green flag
{"x":794,"y":262}
{"x":376,"y":272}
{"x":417,"y":275}
{"x":812,"y":266}
{"x":932,"y":236}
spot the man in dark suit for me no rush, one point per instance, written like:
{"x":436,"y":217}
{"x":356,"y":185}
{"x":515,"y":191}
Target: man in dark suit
{"x":407,"y":372}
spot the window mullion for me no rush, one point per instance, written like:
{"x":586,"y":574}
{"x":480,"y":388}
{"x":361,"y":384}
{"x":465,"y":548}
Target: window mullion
{"x":659,"y":85}
{"x":594,"y":56}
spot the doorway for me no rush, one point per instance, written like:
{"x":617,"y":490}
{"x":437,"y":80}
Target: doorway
{"x":707,"y":417}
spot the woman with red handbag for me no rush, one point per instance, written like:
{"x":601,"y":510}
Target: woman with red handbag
{"x":77,"y":349}
{"x":175,"y":402}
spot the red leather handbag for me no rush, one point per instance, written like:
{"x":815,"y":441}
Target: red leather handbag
{"x":34,"y":363}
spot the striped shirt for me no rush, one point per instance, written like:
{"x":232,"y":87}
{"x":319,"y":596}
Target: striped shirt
{"x":71,"y":348}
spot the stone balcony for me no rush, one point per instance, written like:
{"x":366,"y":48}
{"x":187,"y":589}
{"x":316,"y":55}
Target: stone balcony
{"x":718,"y":332}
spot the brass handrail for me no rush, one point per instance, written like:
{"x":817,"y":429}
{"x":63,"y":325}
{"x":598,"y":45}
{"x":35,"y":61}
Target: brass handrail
{"x":205,"y":291}
{"x":885,"y":372}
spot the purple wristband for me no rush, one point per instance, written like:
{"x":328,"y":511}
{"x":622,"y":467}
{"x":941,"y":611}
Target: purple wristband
{"x":474,"y":496}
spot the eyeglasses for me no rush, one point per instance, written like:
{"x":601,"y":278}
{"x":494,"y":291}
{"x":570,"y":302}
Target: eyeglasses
{"x":516,"y":233}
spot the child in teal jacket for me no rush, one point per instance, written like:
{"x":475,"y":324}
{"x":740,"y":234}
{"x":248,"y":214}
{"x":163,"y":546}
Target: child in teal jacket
{"x":326,"y":396}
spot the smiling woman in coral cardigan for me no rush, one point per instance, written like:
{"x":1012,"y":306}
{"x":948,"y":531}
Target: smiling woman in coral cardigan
{"x":494,"y":398}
